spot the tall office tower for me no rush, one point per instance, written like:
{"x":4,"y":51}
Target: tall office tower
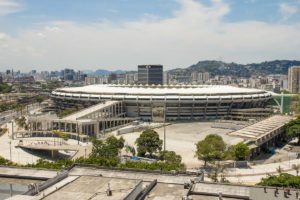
{"x":68,"y":74}
{"x":150,"y":74}
{"x":294,"y":79}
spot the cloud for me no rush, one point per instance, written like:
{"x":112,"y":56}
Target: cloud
{"x":9,"y":6}
{"x":287,"y":10}
{"x":194,"y":32}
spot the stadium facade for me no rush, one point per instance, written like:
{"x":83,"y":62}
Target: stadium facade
{"x":172,"y":102}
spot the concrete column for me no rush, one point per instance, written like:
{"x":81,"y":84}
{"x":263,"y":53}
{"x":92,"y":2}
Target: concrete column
{"x":205,"y":109}
{"x":97,"y":129}
{"x":54,"y":153}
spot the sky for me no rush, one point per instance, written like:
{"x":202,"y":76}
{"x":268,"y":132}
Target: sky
{"x":120,"y":34}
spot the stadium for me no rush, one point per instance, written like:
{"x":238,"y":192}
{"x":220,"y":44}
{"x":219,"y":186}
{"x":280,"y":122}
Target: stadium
{"x":172,"y":102}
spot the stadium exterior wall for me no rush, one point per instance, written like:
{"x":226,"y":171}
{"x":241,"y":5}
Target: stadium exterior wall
{"x":159,"y":103}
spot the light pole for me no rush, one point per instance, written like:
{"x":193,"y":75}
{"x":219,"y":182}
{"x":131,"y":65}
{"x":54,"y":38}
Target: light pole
{"x":77,"y":133}
{"x":12,"y":129}
{"x":10,"y":156}
{"x":164,"y":137}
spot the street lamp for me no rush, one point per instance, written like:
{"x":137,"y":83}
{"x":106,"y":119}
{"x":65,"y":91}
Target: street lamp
{"x":165,"y":136}
{"x":12,"y":129}
{"x":10,"y":156}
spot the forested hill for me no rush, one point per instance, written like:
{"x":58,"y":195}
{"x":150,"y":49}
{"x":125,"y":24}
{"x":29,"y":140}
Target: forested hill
{"x":222,"y":68}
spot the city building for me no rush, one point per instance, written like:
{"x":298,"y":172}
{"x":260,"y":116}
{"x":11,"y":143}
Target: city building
{"x":68,"y":74}
{"x":294,"y":79}
{"x":166,"y":78}
{"x":91,"y":80}
{"x":265,"y":134}
{"x":131,"y":78}
{"x":172,"y":102}
{"x":93,"y":121}
{"x":150,"y":74}
{"x":90,"y":182}
{"x":203,"y":77}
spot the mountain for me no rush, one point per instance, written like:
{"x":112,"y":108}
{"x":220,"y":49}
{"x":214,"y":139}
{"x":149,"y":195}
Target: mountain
{"x":234,"y":69}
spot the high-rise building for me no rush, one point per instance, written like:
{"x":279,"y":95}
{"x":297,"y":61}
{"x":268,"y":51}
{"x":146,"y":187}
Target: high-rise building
{"x":294,"y":79}
{"x":68,"y":74}
{"x":203,"y":77}
{"x":130,"y":78}
{"x":150,"y":74}
{"x":166,"y":78}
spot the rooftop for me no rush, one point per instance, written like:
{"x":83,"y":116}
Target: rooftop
{"x":82,"y":113}
{"x":94,"y":187}
{"x":161,"y":90}
{"x":262,"y":128}
{"x":92,"y":183}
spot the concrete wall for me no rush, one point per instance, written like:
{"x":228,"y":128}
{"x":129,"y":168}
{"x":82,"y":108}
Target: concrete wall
{"x":259,"y":193}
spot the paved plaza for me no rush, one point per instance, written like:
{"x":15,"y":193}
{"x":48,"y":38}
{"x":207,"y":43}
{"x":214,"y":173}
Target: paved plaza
{"x":11,"y":151}
{"x":181,"y":138}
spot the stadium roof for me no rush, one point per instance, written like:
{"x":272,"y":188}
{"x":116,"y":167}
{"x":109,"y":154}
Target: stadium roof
{"x":162,"y":90}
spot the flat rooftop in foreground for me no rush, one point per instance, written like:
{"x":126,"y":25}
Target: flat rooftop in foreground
{"x":84,"y":183}
{"x":94,"y":187}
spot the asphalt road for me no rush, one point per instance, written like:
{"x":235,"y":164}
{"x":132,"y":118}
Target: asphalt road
{"x":9,"y":115}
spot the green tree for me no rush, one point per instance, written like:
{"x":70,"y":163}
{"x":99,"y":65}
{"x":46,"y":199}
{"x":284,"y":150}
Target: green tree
{"x":21,"y":122}
{"x":5,"y":88}
{"x":39,"y":99}
{"x":148,"y":142}
{"x":115,"y":142}
{"x":5,"y":162}
{"x":108,"y":148}
{"x":240,"y":151}
{"x":211,"y":148}
{"x":282,"y":180}
{"x":293,"y":129}
{"x":170,"y":156}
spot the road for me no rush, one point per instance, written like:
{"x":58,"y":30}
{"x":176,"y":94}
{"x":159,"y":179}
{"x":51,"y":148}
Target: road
{"x":9,"y":115}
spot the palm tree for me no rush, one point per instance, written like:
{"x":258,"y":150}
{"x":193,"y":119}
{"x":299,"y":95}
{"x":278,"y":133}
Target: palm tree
{"x":296,"y":167}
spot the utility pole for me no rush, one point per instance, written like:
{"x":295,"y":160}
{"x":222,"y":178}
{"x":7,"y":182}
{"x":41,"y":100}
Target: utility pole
{"x":77,"y":133}
{"x":12,"y":129}
{"x":282,"y":103}
{"x":164,"y":137}
{"x":10,"y":156}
